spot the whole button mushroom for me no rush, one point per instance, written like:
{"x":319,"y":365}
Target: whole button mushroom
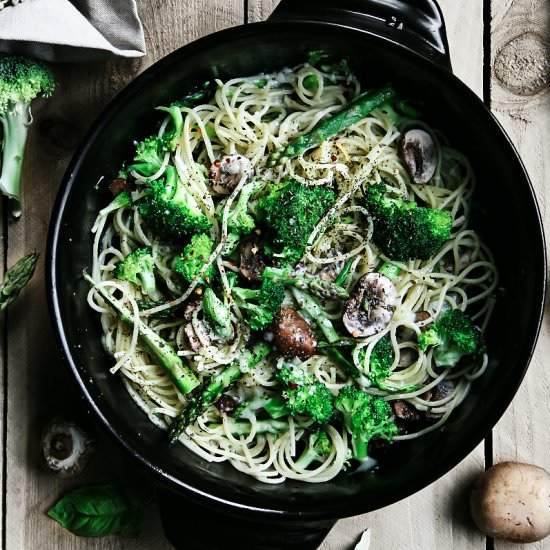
{"x":226,"y":172}
{"x":293,"y":335}
{"x":511,"y":501}
{"x":417,"y":150}
{"x":66,"y":448}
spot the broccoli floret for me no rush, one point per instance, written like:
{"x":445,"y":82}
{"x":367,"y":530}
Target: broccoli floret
{"x":317,"y":449}
{"x":190,"y":263}
{"x":260,"y":305}
{"x":454,"y":336}
{"x":170,"y":209}
{"x":139,"y":268}
{"x":304,"y":395}
{"x":170,"y":137}
{"x":381,"y":360}
{"x":122,"y":200}
{"x":365,"y":417}
{"x":148,"y":155}
{"x":292,"y":210}
{"x":21,"y":81}
{"x":403,"y":230}
{"x":275,"y":406}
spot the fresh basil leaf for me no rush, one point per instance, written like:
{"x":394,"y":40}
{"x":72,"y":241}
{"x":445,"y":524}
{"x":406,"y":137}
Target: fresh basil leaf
{"x":96,"y":511}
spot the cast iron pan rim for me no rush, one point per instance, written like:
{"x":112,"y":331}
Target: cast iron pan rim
{"x":349,"y":506}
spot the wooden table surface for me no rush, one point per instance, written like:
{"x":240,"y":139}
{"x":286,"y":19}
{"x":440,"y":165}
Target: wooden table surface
{"x":500,"y":48}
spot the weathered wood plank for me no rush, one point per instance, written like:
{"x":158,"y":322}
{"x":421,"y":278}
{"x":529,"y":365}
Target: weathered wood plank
{"x":441,"y":509}
{"x":520,"y":97}
{"x":37,"y":387}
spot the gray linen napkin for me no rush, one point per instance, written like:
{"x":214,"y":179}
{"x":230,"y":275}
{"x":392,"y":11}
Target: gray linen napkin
{"x":72,"y":30}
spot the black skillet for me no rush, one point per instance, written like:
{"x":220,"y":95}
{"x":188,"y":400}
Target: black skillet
{"x":386,"y":41}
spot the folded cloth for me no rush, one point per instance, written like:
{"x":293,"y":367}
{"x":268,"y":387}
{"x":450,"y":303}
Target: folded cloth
{"x":72,"y":30}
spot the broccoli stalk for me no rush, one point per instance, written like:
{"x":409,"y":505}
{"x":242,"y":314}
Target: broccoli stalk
{"x":164,"y":354}
{"x":381,"y":360}
{"x":365,"y":417}
{"x":403,"y":230}
{"x":190,"y":263}
{"x":122,"y":200}
{"x":139,"y":268}
{"x":215,"y":388}
{"x":292,"y":210}
{"x":239,"y":221}
{"x":316,"y":286}
{"x":170,"y":138}
{"x":259,"y":305}
{"x":274,"y":405}
{"x":317,"y":449}
{"x":454,"y":336}
{"x":389,"y":270}
{"x":304,"y":395}
{"x":169,"y":208}
{"x":217,"y":313}
{"x":16,"y":278}
{"x":356,"y":110}
{"x":313,"y":310}
{"x":21,"y":81}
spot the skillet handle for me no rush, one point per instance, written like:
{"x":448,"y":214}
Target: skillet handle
{"x":416,"y":24}
{"x":192,"y":526}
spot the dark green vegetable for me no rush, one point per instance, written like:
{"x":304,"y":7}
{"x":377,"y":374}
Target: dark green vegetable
{"x":181,"y":375}
{"x":239,"y":221}
{"x":97,"y":511}
{"x":454,"y":336}
{"x":15,"y":279}
{"x":217,"y":312}
{"x":244,"y":428}
{"x":344,"y":273}
{"x":215,"y":388}
{"x":190,"y":263}
{"x":365,"y":417}
{"x":403,"y":230}
{"x":169,"y":208}
{"x":145,"y":305}
{"x":149,"y":156}
{"x":275,"y":406}
{"x":21,"y":81}
{"x":316,"y":286}
{"x":122,"y":200}
{"x":317,"y":449}
{"x":172,"y":134}
{"x":259,"y":306}
{"x":202,"y":94}
{"x":139,"y":268}
{"x":381,"y":360}
{"x":292,"y":210}
{"x":304,"y":395}
{"x":389,"y":270}
{"x":356,"y":110}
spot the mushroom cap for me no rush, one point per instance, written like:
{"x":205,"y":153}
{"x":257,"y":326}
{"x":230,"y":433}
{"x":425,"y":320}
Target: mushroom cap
{"x":225,"y":173}
{"x":511,"y":501}
{"x":66,"y":448}
{"x":371,"y":307}
{"x":293,"y":335}
{"x":418,"y":152}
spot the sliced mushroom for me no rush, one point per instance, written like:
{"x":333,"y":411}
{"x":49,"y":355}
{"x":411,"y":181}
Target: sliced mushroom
{"x":252,"y":263}
{"x":371,"y":308}
{"x":405,"y":411}
{"x":226,"y":403}
{"x":189,"y":308}
{"x":66,"y":447}
{"x":293,"y":335}
{"x":225,"y":173}
{"x":407,"y":357}
{"x":120,"y":185}
{"x":192,"y":339}
{"x":418,"y":152}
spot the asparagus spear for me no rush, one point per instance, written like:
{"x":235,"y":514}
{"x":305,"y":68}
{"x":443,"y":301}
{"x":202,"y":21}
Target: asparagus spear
{"x":181,"y":375}
{"x":217,"y":385}
{"x":17,"y":276}
{"x":358,"y":109}
{"x":319,"y":287}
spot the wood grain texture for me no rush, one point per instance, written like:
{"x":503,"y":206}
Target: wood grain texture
{"x":520,"y":94}
{"x":37,"y":384}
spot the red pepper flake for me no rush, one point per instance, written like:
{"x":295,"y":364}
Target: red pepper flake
{"x":292,"y":385}
{"x":334,"y":158}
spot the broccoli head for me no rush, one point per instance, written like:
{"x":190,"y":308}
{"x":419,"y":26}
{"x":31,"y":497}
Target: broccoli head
{"x":194,"y":256}
{"x":169,"y":208}
{"x":292,"y":210}
{"x":260,"y":305}
{"x":403,"y":230}
{"x":317,"y":449}
{"x":148,"y":156}
{"x":21,"y":81}
{"x":365,"y":417}
{"x":381,"y":360}
{"x":454,"y":336}
{"x":139,"y":268}
{"x":239,"y":221}
{"x":304,"y":395}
